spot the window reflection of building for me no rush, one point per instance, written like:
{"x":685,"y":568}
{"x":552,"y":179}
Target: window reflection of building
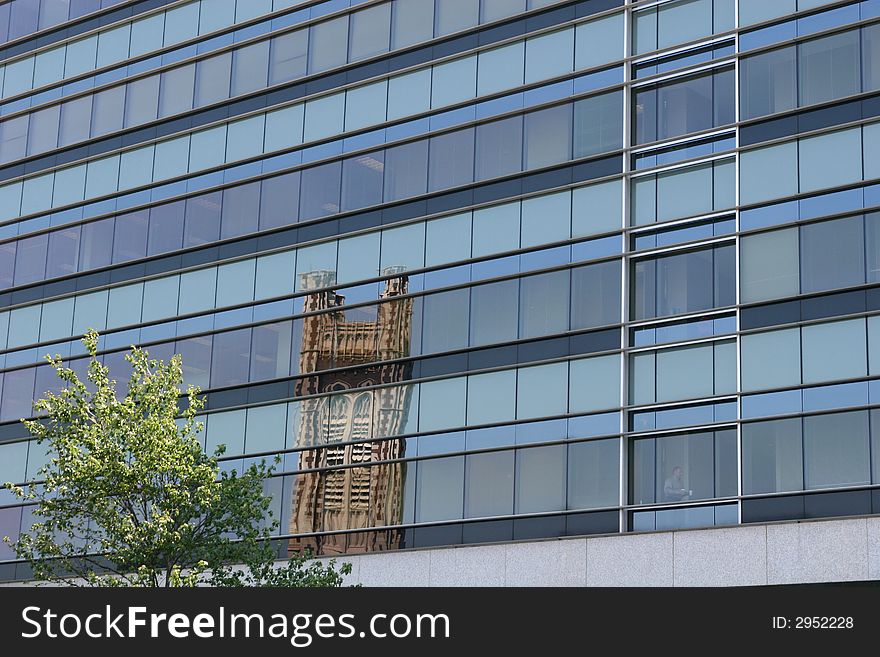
{"x":356,"y":497}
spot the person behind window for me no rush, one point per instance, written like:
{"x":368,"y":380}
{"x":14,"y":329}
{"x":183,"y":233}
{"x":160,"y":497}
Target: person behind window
{"x":673,"y":487}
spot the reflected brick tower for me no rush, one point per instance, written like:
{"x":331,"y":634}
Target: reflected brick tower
{"x":351,"y":497}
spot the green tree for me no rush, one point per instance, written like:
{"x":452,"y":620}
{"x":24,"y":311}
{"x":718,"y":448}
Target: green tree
{"x":129,"y":497}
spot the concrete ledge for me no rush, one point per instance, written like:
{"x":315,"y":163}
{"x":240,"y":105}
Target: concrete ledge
{"x":747,"y":555}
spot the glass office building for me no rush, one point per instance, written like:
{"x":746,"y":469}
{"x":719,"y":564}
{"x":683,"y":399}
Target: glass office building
{"x":478,"y":270}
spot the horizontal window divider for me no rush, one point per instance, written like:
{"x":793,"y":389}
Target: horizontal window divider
{"x":512,"y":424}
{"x":806,"y":222}
{"x":307,"y":79}
{"x":667,"y":506}
{"x":838,"y":127}
{"x":683,"y":164}
{"x":402,"y":461}
{"x":809,"y":386}
{"x":805,"y":37}
{"x":688,"y":428}
{"x":673,"y":51}
{"x":722,"y":62}
{"x":811,"y":220}
{"x":795,"y":14}
{"x":690,"y":138}
{"x":663,"y":226}
{"x":435,"y":523}
{"x":207,"y":36}
{"x":817,"y":320}
{"x":316,"y":163}
{"x":206,"y":393}
{"x":352,"y":306}
{"x":687,"y":343}
{"x":693,"y":245}
{"x":66,"y":25}
{"x":648,"y":323}
{"x":306,"y":244}
{"x":207,"y":109}
{"x":814,"y":491}
{"x":807,"y":109}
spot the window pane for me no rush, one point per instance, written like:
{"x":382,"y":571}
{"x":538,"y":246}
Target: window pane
{"x":442,"y":404}
{"x":412,"y":22}
{"x":599,"y":41}
{"x":871,"y":57}
{"x":772,"y":456}
{"x":594,"y":474}
{"x":142,"y":100}
{"x":451,"y":160}
{"x":409,"y":94}
{"x":440,"y":494}
{"x":230,"y":358}
{"x":685,"y":373}
{"x":212,"y":79}
{"x":771,"y":360}
{"x":406,"y":170}
{"x":321,"y":188}
{"x":288,"y":57}
{"x":279,"y":201}
{"x":501,"y":68}
{"x":496,"y":229}
{"x":542,"y":391}
{"x":455,"y":15}
{"x":270,"y":352}
{"x":768,"y":83}
{"x":768,"y":173}
{"x":240,"y":210}
{"x":598,"y":124}
{"x":595,"y":295}
{"x":93,"y":247}
{"x":362,"y":180}
{"x":828,"y":68}
{"x":544,"y":302}
{"x":107,"y":111}
{"x":540,"y":479}
{"x":494,"y":312}
{"x":454,"y":81}
{"x":250,"y":67}
{"x":684,"y":107}
{"x":176,"y":90}
{"x":548,"y":136}
{"x":549,"y":55}
{"x":130,"y":238}
{"x":596,"y":208}
{"x":63,"y":252}
{"x":445,"y":325}
{"x":830,"y":160}
{"x":489,"y":484}
{"x":594,"y":384}
{"x":43,"y":129}
{"x":370,"y":32}
{"x":685,"y":468}
{"x":836,"y":451}
{"x":755,"y":11}
{"x":769,"y":265}
{"x":365,"y":106}
{"x":499,"y":148}
{"x":328,"y":44}
{"x":832,"y":254}
{"x":834,"y":351}
{"x":202,"y":224}
{"x":30,"y":260}
{"x":75,"y":121}
{"x":358,"y":258}
{"x":448,"y":239}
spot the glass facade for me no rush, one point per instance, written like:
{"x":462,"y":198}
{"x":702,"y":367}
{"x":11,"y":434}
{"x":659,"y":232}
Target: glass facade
{"x":476,"y":270}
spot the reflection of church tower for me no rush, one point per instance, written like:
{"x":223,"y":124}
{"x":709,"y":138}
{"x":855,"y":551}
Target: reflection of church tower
{"x":357,"y":497}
